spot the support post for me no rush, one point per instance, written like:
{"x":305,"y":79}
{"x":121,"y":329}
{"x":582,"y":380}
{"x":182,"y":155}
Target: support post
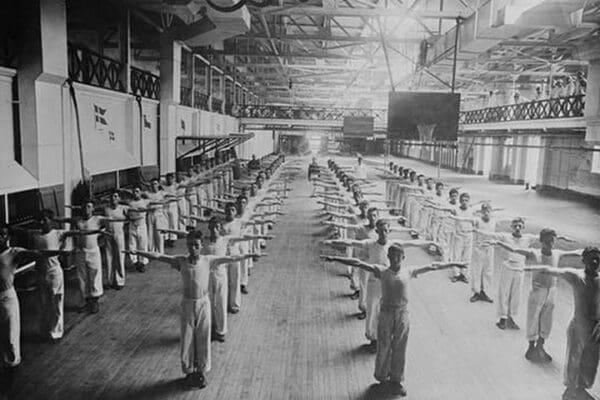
{"x":456,"y":33}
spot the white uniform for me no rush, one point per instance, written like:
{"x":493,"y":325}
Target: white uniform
{"x":363,"y":276}
{"x":138,"y":231}
{"x":540,"y":304}
{"x":233,"y":228}
{"x":10,"y":320}
{"x":218,"y":287}
{"x":182,"y":209}
{"x":195,"y":314}
{"x":88,"y":260}
{"x":115,"y":244}
{"x":156,"y":221}
{"x":482,"y":265}
{"x":511,"y":278}
{"x":172,"y":210}
{"x":376,"y":254}
{"x":52,"y":284}
{"x":462,"y":242}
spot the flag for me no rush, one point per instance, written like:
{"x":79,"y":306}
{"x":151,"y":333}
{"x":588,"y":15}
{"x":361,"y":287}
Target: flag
{"x":183,"y":125}
{"x":147,"y":124}
{"x":99,"y":115}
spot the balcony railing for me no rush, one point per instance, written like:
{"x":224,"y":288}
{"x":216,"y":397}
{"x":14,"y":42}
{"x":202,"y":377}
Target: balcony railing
{"x":201,"y":100}
{"x":145,"y":84}
{"x":560,"y":107}
{"x":216,"y":104}
{"x":87,"y":66}
{"x":228,"y":107}
{"x":313,"y":113}
{"x":185,"y":96}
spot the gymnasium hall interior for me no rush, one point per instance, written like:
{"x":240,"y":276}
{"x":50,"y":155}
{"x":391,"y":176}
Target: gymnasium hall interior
{"x":299,"y":199}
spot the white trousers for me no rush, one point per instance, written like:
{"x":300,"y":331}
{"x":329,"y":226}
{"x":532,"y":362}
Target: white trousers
{"x":393,"y":331}
{"x":138,"y":240}
{"x":156,"y":221}
{"x":235,"y":290}
{"x":195,"y":335}
{"x":462,"y":252}
{"x":482,"y":269}
{"x":52,"y":292}
{"x":89,"y":272}
{"x":373,"y":299}
{"x":183,"y":213}
{"x":509,"y":292}
{"x":363,"y":278}
{"x":10,"y":329}
{"x":115,"y":258}
{"x":218,"y":290}
{"x":172,"y":214}
{"x":540,"y":309}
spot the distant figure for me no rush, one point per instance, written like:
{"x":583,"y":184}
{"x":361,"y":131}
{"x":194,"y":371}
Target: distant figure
{"x":359,"y":169}
{"x":254,"y":164}
{"x":539,"y":95}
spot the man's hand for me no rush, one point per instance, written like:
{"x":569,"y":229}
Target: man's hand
{"x":326,"y":258}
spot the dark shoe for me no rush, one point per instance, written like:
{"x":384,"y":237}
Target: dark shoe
{"x":200,"y":381}
{"x":94,"y":307}
{"x":244,"y":289}
{"x":233,"y":310}
{"x":530,"y":354}
{"x":454,"y":279}
{"x":398,"y":389}
{"x":511,"y":324}
{"x":484,"y":297}
{"x":475,"y":298}
{"x":218,"y":337}
{"x":542,"y":356}
{"x":355,"y":295}
{"x":119,"y":287}
{"x":462,"y":278}
{"x":263,"y":246}
{"x":502,"y":324}
{"x":140,"y":267}
{"x":362,"y":315}
{"x":373,"y":346}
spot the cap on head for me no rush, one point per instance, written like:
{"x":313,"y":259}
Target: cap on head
{"x":453,"y":191}
{"x":465,"y":195}
{"x":486,"y":207}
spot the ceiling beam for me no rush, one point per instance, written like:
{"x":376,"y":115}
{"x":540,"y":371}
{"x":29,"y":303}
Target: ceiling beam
{"x":363,"y":12}
{"x":357,"y":39}
{"x":281,"y":54}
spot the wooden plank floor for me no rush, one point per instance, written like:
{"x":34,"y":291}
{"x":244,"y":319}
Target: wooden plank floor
{"x":296,"y":337}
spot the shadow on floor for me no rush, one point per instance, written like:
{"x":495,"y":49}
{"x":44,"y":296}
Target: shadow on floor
{"x":380,"y":392}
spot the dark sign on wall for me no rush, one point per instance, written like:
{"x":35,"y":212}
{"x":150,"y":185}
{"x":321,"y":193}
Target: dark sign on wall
{"x":423,"y":116}
{"x":358,"y":126}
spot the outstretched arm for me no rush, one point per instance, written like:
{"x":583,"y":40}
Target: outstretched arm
{"x":524,"y":252}
{"x":174,"y":231}
{"x":354,"y":262}
{"x":342,"y":242}
{"x":230,"y":259}
{"x":416,"y":271}
{"x":569,"y":274}
{"x":172,"y":260}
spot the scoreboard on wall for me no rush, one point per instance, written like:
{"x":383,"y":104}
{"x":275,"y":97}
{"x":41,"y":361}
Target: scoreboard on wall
{"x":359,"y":126}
